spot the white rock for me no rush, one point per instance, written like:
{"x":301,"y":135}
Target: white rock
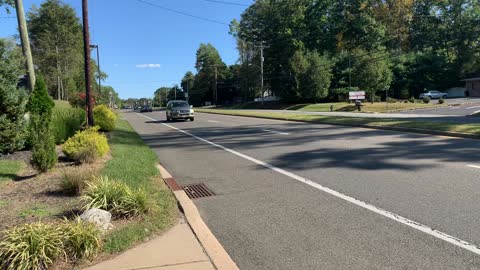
{"x":99,"y":217}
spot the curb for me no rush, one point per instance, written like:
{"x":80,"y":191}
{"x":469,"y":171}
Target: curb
{"x":219,"y":257}
{"x":401,"y":129}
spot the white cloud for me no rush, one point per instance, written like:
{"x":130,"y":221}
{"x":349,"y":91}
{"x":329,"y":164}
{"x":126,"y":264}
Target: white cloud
{"x":148,"y":66}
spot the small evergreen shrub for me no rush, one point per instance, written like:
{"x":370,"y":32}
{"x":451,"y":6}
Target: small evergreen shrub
{"x":116,"y":197}
{"x":104,"y":118}
{"x":40,"y":107}
{"x":81,"y":239}
{"x":65,"y":122}
{"x":426,"y":100}
{"x":411,"y":100}
{"x":441,"y":101}
{"x":86,"y":146}
{"x":31,"y":246}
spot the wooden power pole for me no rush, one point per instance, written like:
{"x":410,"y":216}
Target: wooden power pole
{"x":86,"y":50}
{"x":22,"y":26}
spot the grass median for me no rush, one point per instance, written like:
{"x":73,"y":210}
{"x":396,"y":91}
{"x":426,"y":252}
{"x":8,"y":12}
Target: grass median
{"x":134,"y":163}
{"x":417,"y":125}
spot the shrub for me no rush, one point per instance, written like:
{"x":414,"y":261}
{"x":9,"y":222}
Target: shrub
{"x":40,"y":107}
{"x":86,"y":146}
{"x":74,"y":180}
{"x":31,"y":246}
{"x":391,"y":100}
{"x":81,"y":239}
{"x":65,"y":122}
{"x":13,"y":127}
{"x":441,"y":101}
{"x":411,"y":99}
{"x":104,"y":118}
{"x":426,"y":100}
{"x":116,"y":197}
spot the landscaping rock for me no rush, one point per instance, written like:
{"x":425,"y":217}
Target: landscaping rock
{"x":99,"y":217}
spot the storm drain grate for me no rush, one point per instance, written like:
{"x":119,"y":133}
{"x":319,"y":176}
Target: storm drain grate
{"x":197,"y":191}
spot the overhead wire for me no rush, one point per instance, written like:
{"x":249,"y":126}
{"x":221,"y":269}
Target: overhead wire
{"x":182,"y":13}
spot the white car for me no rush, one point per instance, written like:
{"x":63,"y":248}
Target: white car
{"x":434,"y":94}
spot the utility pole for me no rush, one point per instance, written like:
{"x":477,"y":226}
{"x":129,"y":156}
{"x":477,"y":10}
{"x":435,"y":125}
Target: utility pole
{"x":98,"y":66}
{"x":216,"y":86}
{"x":188,"y":81}
{"x":86,"y":50}
{"x":22,"y":26}
{"x":262,"y":59}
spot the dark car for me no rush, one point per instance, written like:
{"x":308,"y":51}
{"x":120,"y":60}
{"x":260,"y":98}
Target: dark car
{"x":146,"y":109}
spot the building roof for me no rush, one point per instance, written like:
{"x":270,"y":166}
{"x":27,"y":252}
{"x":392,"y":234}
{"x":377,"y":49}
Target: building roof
{"x":472,"y":79}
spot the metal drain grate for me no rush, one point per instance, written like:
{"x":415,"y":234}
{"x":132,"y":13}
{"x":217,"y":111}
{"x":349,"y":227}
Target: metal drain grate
{"x":197,"y":191}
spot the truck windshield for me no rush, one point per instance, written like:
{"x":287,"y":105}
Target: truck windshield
{"x":179,"y":104}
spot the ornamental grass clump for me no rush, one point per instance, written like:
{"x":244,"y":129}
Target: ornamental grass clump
{"x":116,"y":197}
{"x":31,"y":246}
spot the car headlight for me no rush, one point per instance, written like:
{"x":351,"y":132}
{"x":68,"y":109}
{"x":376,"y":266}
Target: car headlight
{"x":191,"y":110}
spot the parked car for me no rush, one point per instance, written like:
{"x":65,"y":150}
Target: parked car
{"x":179,"y":109}
{"x":434,"y":94}
{"x":146,"y":109}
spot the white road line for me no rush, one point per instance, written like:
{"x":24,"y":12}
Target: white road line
{"x":278,"y":132}
{"x":473,"y":107}
{"x":213,"y":121}
{"x":474,"y":166}
{"x":413,"y":224}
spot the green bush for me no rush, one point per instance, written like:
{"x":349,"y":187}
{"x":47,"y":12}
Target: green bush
{"x":116,"y":197}
{"x":13,"y":127}
{"x":86,"y":146}
{"x":74,"y":180}
{"x":426,"y":100}
{"x":65,"y":122}
{"x":441,"y":101}
{"x":391,"y":100}
{"x":81,"y":239}
{"x":104,"y":118}
{"x":411,"y":100}
{"x":40,"y":105}
{"x":31,"y":246}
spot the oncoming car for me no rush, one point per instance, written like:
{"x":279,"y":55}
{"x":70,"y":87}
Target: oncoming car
{"x":179,"y":109}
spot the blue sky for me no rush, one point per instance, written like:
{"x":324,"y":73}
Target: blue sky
{"x":132,"y":35}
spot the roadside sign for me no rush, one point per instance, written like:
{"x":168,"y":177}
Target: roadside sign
{"x":356,"y":95}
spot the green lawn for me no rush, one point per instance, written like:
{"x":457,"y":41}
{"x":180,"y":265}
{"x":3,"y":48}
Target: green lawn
{"x":134,"y":163}
{"x":379,"y":107}
{"x":9,"y":169}
{"x":373,"y":122}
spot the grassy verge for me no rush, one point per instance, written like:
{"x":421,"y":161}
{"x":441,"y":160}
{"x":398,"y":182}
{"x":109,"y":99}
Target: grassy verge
{"x":379,"y":107}
{"x":472,"y":129}
{"x":134,"y":163}
{"x":9,"y":169}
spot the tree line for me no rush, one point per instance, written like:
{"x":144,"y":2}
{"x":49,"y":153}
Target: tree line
{"x":317,"y":50}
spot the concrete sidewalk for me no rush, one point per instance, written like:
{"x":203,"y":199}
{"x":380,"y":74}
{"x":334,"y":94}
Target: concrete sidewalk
{"x":177,"y":249}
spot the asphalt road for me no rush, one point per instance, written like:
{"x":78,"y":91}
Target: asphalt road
{"x":312,"y":196}
{"x":460,"y":110}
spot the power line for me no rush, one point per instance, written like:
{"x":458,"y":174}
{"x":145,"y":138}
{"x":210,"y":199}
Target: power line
{"x":183,"y":13}
{"x":227,"y":3}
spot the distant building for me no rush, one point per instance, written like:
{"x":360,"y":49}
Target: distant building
{"x":472,"y":87}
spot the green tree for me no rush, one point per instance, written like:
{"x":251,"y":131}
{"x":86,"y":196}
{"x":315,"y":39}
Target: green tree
{"x":372,"y":73}
{"x":12,"y":100}
{"x":312,"y":74}
{"x":40,"y":106}
{"x":210,"y":69}
{"x":56,"y":37}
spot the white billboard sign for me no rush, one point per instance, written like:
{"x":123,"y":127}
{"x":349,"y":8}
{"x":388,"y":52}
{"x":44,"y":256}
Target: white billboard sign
{"x":356,"y":95}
